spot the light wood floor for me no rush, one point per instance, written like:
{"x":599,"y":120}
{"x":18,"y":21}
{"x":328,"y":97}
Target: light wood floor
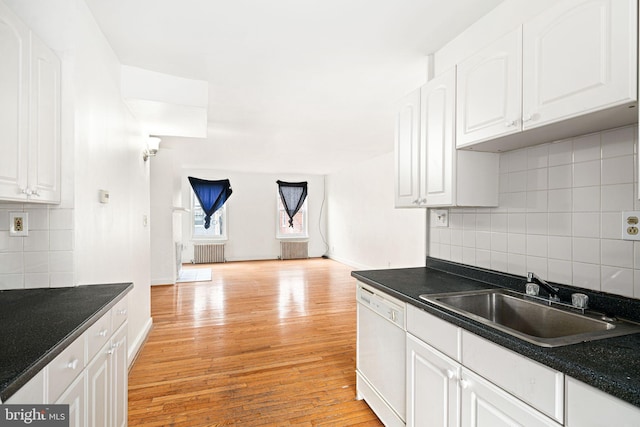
{"x":263,"y":343}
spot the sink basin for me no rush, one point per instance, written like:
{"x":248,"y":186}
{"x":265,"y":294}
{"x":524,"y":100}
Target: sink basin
{"x":529,"y":319}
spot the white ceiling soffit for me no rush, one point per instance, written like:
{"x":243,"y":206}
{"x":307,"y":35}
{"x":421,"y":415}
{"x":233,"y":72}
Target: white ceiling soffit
{"x":166,"y":105}
{"x":295,"y":86}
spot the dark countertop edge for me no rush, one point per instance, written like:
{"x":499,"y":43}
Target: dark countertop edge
{"x":51,"y":354}
{"x":595,"y":379}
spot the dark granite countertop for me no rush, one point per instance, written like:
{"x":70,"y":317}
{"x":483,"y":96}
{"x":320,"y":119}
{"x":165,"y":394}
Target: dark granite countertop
{"x":611,"y":365}
{"x":38,"y":324}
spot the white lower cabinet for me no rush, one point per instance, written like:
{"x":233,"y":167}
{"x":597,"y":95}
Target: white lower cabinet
{"x":590,"y":407}
{"x":433,"y":389}
{"x":441,"y":391}
{"x":486,"y":405}
{"x":91,"y":380}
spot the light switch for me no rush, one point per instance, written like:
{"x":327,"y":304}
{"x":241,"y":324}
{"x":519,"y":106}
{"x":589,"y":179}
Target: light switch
{"x":631,"y":225}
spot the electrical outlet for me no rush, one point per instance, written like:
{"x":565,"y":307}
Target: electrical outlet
{"x":440,"y":217}
{"x":631,"y":225}
{"x":18,"y":224}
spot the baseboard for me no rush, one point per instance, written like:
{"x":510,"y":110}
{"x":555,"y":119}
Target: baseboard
{"x":350,"y":263}
{"x":167,"y":281}
{"x":136,"y":344}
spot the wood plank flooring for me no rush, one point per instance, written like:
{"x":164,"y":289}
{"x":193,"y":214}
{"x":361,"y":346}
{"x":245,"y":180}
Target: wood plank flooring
{"x":268,"y":343}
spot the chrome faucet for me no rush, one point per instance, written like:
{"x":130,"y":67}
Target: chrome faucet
{"x":552,"y":291}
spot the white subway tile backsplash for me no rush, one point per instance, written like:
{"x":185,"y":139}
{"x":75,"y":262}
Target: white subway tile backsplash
{"x":499,"y":242}
{"x":586,"y":250}
{"x":560,"y":224}
{"x":537,"y":201}
{"x":560,"y":248}
{"x":560,"y":176}
{"x":586,"y":148}
{"x":561,"y":200}
{"x":37,"y":240}
{"x":617,"y":170}
{"x":617,"y":253}
{"x":36,"y":280}
{"x":517,"y":223}
{"x":11,"y":281}
{"x":586,"y":199}
{"x":4,"y":220}
{"x":537,"y":245}
{"x":10,"y":244}
{"x":559,"y":215}
{"x":38,"y":218}
{"x":11,"y":263}
{"x":559,"y":271}
{"x":516,"y":243}
{"x":617,"y":280}
{"x":586,"y":224}
{"x":618,"y":197}
{"x":586,"y":275}
{"x":36,"y":262}
{"x":61,"y":240}
{"x":61,"y":219}
{"x":61,"y":262}
{"x":561,"y":153}
{"x":586,"y":174}
{"x":62,"y":280}
{"x":538,"y":156}
{"x":618,"y":142}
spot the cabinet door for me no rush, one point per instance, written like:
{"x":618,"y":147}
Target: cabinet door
{"x":14,"y":113}
{"x":437,"y":167}
{"x":489,"y":92}
{"x":485,"y":405}
{"x":407,"y":151}
{"x":44,"y":128}
{"x":98,"y":388}
{"x":579,"y":56}
{"x":433,"y":393}
{"x":119,"y":377}
{"x":590,"y":407}
{"x":74,"y":396}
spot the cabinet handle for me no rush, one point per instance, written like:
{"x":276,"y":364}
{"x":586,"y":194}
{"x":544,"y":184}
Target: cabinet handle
{"x":464,"y":384}
{"x":103,"y":333}
{"x":122,"y":312}
{"x":527,"y":118}
{"x":511,"y":123}
{"x":35,"y":193}
{"x":450,"y":374}
{"x":73,"y":364}
{"x":416,"y":201}
{"x":25,"y":191}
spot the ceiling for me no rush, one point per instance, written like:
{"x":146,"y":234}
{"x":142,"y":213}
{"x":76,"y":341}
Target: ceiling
{"x":295,"y":86}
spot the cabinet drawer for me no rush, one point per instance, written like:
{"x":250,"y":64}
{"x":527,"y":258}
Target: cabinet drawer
{"x":535,"y":384}
{"x":98,"y":335}
{"x":119,"y":313}
{"x":438,"y":333}
{"x":65,"y":368}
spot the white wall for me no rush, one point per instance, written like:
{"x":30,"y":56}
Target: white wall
{"x":365,"y":230}
{"x":102,"y":149}
{"x":560,"y":215}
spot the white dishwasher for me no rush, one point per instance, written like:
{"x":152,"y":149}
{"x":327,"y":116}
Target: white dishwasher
{"x":380,"y":354}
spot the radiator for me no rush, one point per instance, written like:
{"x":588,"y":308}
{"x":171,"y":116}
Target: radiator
{"x":294,"y":250}
{"x":210,"y":253}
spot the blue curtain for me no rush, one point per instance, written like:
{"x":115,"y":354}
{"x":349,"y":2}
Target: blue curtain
{"x":211,"y":194}
{"x":292,"y":195}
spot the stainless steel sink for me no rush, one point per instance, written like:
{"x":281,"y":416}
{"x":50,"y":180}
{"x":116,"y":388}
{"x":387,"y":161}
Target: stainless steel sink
{"x":528,"y":319}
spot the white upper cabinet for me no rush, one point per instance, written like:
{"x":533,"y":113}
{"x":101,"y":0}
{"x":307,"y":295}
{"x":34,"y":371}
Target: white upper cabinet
{"x":29,"y":115}
{"x":14,"y":112}
{"x":44,"y":129}
{"x":489,"y":91}
{"x":407,"y":151}
{"x":429,"y":169}
{"x":578,"y":56}
{"x":569,"y":71}
{"x":437,"y":132}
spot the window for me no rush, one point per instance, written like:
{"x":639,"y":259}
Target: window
{"x":218,"y":228}
{"x":299,"y":229}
